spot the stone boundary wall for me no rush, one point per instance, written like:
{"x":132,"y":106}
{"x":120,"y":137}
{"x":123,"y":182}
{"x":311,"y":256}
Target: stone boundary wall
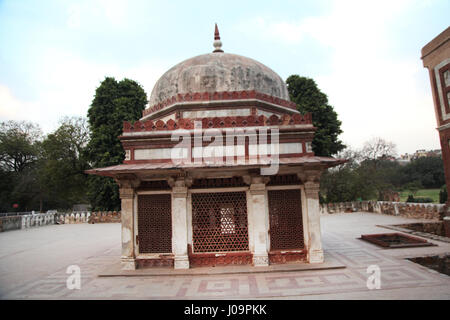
{"x":105,"y":217}
{"x":42,"y":219}
{"x":403,"y":209}
{"x":10,"y":223}
{"x":72,"y":217}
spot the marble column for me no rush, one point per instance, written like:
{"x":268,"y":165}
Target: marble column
{"x":315,"y":251}
{"x":179,"y":224}
{"x":127,"y":195}
{"x":258,"y":217}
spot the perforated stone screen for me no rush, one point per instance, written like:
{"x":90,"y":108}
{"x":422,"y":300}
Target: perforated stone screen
{"x":155,"y":223}
{"x":219,"y":222}
{"x":285,"y":213}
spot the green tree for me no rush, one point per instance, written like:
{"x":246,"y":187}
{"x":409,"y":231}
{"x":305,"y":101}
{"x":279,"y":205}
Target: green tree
{"x":20,"y":144}
{"x":62,"y":164}
{"x":347,"y":182}
{"x":305,"y":93}
{"x":377,"y":163}
{"x":114,"y":102}
{"x":429,"y":171}
{"x":413,"y":187}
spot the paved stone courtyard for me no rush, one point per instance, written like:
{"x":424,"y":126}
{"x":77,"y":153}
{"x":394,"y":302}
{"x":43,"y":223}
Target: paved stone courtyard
{"x":33,"y":265}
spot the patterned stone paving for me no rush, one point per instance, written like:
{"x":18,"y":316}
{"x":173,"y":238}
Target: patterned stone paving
{"x":396,"y":273}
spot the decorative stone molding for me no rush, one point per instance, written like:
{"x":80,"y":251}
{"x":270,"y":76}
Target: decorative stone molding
{"x":218,"y":122}
{"x":155,"y":262}
{"x":181,"y":262}
{"x":315,"y":256}
{"x":212,"y":259}
{"x":276,"y":257}
{"x":261,"y":260}
{"x":218,"y":96}
{"x":128,"y":263}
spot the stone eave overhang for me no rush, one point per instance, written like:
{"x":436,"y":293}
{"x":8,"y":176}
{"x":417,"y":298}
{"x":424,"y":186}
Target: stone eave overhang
{"x":171,"y":168}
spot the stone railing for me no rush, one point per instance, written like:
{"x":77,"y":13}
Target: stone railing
{"x":72,"y":217}
{"x":404,"y":209}
{"x":36,"y":220}
{"x":42,"y":219}
{"x":10,"y":223}
{"x":105,"y":217}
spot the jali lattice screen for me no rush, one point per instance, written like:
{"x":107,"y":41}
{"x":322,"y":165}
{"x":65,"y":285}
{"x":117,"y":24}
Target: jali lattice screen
{"x":155,"y":223}
{"x":285,"y":213}
{"x":219,"y":222}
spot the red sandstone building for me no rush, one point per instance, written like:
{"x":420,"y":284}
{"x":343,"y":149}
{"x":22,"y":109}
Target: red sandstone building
{"x":198,"y":202}
{"x":436,"y":58}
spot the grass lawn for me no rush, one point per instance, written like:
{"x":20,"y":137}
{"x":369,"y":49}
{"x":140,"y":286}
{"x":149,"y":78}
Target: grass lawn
{"x":422,"y":193}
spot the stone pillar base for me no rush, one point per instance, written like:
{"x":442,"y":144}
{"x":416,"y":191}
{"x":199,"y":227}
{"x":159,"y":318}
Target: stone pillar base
{"x":316,"y":256}
{"x":128,"y":263}
{"x":260,"y":260}
{"x":181,"y":262}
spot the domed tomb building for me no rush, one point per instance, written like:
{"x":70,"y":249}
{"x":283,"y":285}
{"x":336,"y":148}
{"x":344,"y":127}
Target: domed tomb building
{"x":219,"y":170}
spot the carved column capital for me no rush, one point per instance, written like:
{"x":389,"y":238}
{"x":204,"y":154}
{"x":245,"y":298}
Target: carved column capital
{"x":126,"y":193}
{"x":312,"y":189}
{"x":253,"y":179}
{"x":310,"y":175}
{"x":257,"y":183}
{"x":180,"y":181}
{"x":127,"y":181}
{"x":180,"y":186}
{"x":179,"y":192}
{"x":257,"y":189}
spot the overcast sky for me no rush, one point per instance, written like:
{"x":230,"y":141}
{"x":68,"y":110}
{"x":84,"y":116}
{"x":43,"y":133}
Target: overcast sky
{"x":365,"y":55}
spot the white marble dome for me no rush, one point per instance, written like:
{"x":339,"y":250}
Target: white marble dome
{"x":218,"y":71}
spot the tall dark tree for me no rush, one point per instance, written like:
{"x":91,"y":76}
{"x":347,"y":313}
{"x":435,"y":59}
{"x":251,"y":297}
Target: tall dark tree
{"x":305,"y":93}
{"x":114,"y":102}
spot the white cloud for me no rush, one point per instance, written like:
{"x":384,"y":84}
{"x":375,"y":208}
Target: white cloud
{"x":10,"y":106}
{"x":374,"y":93}
{"x":67,"y":86}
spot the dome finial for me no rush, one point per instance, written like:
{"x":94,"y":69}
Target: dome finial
{"x":217,"y":43}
